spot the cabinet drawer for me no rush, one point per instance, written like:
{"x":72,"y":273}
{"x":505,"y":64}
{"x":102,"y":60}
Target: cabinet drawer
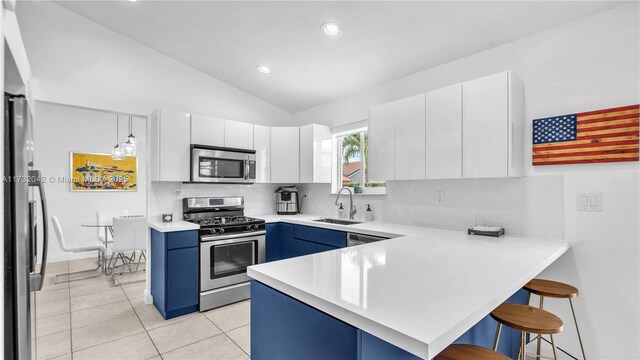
{"x":321,"y":236}
{"x":301,"y":247}
{"x":182,"y":239}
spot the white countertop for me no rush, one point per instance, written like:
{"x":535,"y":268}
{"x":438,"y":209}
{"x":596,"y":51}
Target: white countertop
{"x":419,"y":291}
{"x":173,"y":226}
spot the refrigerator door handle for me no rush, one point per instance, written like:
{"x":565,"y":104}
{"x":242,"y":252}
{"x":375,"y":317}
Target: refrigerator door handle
{"x":37,"y":279}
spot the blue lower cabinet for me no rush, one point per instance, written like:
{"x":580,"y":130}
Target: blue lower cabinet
{"x":174,"y":272}
{"x":285,"y":328}
{"x":301,"y":247}
{"x":327,"y":237}
{"x":373,"y":348}
{"x":322,"y":248}
{"x":272,"y":239}
{"x":286,"y":241}
{"x":483,"y":333}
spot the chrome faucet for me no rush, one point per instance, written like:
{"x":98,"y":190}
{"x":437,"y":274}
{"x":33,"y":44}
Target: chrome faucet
{"x":352,"y":208}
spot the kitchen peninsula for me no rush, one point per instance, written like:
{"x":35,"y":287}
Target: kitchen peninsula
{"x":408,"y":296}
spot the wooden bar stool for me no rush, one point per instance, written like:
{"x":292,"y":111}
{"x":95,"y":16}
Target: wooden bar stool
{"x":468,"y":352}
{"x":554,"y":289}
{"x":527,"y":319}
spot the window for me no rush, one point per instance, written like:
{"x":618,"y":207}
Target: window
{"x":352,"y":150}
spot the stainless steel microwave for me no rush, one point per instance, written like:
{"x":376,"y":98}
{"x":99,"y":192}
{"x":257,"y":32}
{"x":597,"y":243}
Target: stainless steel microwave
{"x":214,"y":164}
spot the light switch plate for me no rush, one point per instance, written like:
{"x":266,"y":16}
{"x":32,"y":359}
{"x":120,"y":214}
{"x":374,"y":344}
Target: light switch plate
{"x":589,"y":201}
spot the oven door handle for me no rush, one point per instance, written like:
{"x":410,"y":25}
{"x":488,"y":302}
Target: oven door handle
{"x":231,"y":236}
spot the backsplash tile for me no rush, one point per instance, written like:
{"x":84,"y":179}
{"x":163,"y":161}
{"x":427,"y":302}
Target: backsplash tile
{"x":529,"y":206}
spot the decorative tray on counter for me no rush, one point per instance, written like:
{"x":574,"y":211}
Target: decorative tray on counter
{"x":496,"y":233}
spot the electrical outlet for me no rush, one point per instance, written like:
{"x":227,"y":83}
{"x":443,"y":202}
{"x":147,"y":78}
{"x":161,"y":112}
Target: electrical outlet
{"x":177,"y":192}
{"x":589,"y":201}
{"x":440,"y":197}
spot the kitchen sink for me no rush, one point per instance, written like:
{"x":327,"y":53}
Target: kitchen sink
{"x":338,"y":221}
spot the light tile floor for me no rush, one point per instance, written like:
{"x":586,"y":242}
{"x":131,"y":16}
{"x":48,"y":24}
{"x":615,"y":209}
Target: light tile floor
{"x":92,"y":319}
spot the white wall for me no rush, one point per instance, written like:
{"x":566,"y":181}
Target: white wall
{"x":590,"y":64}
{"x":531,"y":206}
{"x":59,"y":130}
{"x":79,"y":62}
{"x":259,"y":198}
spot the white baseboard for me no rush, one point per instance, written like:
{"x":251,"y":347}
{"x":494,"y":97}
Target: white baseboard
{"x":148,"y":298}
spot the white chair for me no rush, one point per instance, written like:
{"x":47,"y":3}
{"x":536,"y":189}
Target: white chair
{"x":106,"y":216}
{"x":129,"y":235}
{"x":89,"y":246}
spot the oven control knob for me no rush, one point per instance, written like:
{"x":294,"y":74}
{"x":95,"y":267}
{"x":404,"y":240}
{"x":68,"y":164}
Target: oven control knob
{"x":221,"y":230}
{"x":213,"y":231}
{"x":248,"y":227}
{"x":255,"y":227}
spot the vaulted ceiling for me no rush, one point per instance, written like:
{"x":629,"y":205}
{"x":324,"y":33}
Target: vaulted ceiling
{"x":381,"y":41}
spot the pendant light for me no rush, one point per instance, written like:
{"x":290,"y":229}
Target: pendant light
{"x":129,"y":146}
{"x":116,"y":152}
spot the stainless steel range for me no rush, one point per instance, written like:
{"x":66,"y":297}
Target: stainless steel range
{"x":229,"y":243}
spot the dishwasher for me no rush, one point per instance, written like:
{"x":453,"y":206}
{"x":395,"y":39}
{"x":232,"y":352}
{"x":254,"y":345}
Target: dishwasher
{"x":354,"y":239}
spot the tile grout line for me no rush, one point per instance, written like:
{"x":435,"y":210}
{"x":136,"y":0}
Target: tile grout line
{"x":229,"y":337}
{"x":238,"y":345}
{"x":70,"y":326}
{"x":141,"y":323}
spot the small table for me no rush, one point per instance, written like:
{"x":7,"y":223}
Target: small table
{"x":108,"y":228}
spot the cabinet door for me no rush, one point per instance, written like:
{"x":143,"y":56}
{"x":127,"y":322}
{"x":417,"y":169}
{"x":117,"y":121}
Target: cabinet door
{"x":382,"y":142}
{"x":238,"y":134}
{"x":322,"y":248}
{"x":182,"y":278}
{"x":272,"y":240}
{"x":315,"y":154}
{"x":174,"y":146}
{"x":286,"y":241}
{"x":485,"y":127}
{"x":285,"y":154}
{"x":301,"y":247}
{"x":262,"y":145}
{"x":410,"y":138}
{"x":207,"y":130}
{"x":444,"y":133}
{"x":306,"y":154}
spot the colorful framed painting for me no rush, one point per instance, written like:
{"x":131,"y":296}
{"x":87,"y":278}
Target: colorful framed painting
{"x":99,"y":172}
{"x":601,"y":136}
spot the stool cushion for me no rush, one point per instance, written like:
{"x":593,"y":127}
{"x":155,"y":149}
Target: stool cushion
{"x":527,"y":318}
{"x":551,"y":288}
{"x":468,"y":352}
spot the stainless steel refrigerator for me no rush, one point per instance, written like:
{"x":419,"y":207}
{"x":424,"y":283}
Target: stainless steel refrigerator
{"x":22,"y":188}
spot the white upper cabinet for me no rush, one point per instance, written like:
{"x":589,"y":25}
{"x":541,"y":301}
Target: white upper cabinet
{"x":285,"y":154}
{"x":382,"y":142}
{"x":315,"y":154}
{"x":207,"y":130}
{"x":262,"y":145}
{"x":444,"y":133}
{"x":238,"y":134}
{"x":170,"y":140}
{"x":410,"y":138}
{"x":492,"y":127}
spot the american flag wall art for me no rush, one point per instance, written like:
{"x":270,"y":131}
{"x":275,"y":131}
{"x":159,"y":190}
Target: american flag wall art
{"x":609,"y":135}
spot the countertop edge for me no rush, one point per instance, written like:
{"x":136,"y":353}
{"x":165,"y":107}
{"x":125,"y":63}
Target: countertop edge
{"x":388,"y":334}
{"x":173,"y":226}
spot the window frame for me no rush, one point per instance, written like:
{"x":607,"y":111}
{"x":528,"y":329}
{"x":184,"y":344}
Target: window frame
{"x":337,"y":174}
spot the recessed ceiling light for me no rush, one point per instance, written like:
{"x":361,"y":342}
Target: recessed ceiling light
{"x":263,"y":69}
{"x":133,"y":0}
{"x":332,"y":29}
